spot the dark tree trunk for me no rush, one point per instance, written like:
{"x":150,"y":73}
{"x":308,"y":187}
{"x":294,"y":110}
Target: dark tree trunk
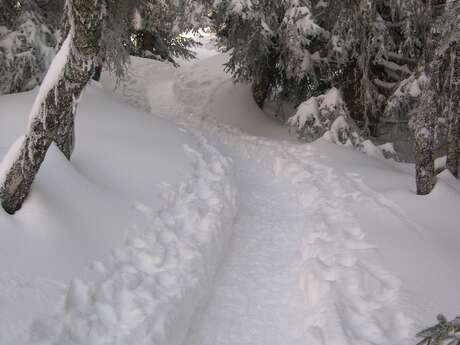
{"x":453,"y":150}
{"x":54,"y":118}
{"x":426,"y":117}
{"x":264,"y":81}
{"x":97,"y":72}
{"x":424,"y":142}
{"x":260,"y":90}
{"x":148,"y":41}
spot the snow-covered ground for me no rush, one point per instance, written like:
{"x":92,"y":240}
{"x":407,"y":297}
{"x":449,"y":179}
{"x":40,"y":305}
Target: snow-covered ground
{"x":196,"y":219}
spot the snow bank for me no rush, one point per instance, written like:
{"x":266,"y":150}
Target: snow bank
{"x":79,"y":211}
{"x":148,"y":290}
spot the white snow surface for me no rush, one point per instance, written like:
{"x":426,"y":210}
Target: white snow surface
{"x":217,"y":228}
{"x":94,"y":228}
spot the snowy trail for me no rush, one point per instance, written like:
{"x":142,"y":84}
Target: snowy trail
{"x":256,"y":297}
{"x":299,"y":269}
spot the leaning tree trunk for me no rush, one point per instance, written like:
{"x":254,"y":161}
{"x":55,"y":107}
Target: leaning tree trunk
{"x":52,"y":116}
{"x":453,"y":137}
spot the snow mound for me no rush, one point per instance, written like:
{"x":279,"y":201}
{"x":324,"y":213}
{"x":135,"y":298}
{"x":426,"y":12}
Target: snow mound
{"x":327,"y":116}
{"x":79,"y":211}
{"x":148,"y":290}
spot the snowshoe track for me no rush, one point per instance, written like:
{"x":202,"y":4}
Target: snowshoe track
{"x":348,"y":299}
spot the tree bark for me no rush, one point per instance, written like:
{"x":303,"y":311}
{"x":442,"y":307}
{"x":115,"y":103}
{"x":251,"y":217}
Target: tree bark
{"x":424,"y":140}
{"x":453,"y":136}
{"x":425,"y":118}
{"x":260,"y":90}
{"x":264,"y":81}
{"x":54,"y":118}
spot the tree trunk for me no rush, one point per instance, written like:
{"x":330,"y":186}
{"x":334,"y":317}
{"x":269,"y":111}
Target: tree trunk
{"x":148,"y":41}
{"x":263,"y":82}
{"x":52,"y":117}
{"x":424,"y":143}
{"x":453,"y":138}
{"x":260,"y":90}
{"x":426,"y":117}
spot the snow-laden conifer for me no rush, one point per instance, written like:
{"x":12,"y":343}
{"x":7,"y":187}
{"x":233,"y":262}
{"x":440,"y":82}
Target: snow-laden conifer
{"x":272,"y":44}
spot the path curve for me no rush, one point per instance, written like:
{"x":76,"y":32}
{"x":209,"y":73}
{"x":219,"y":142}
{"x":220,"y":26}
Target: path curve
{"x":299,"y":269}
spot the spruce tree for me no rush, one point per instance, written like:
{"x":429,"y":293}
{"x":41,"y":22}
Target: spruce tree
{"x":28,"y":37}
{"x":272,"y":44}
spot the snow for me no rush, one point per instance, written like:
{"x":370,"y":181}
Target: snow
{"x":137,"y":20}
{"x":357,"y":287}
{"x":79,"y":213}
{"x":10,"y":157}
{"x":303,"y":20}
{"x":218,"y":228}
{"x":149,"y":289}
{"x":55,"y":71}
{"x":308,"y":110}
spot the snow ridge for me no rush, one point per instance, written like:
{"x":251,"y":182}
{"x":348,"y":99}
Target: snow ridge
{"x":350,"y":299}
{"x":148,"y":290}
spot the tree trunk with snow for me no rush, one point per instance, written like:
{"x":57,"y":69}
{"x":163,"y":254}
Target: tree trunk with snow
{"x":52,"y":116}
{"x":453,"y":137}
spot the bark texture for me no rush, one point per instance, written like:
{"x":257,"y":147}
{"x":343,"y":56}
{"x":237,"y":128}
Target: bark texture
{"x":453,"y":136}
{"x":426,"y":116}
{"x":54,"y":121}
{"x":424,"y":143}
{"x":265,"y":79}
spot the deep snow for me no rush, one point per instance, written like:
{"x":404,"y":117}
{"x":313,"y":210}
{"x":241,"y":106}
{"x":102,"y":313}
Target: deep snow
{"x":325,"y":246}
{"x":79,"y":212}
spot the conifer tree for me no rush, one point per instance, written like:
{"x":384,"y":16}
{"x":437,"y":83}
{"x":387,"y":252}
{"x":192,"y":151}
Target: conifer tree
{"x":272,"y":44}
{"x":28,"y":37}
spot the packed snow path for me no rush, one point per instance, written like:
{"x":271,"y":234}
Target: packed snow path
{"x":256,"y":298}
{"x":298,"y":269}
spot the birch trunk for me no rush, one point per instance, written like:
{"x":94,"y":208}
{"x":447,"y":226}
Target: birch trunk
{"x":53,"y":114}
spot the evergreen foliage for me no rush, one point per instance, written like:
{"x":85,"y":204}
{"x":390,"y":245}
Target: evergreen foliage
{"x":28,"y":37}
{"x":272,"y":45}
{"x":156,"y":31}
{"x":443,"y":333}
